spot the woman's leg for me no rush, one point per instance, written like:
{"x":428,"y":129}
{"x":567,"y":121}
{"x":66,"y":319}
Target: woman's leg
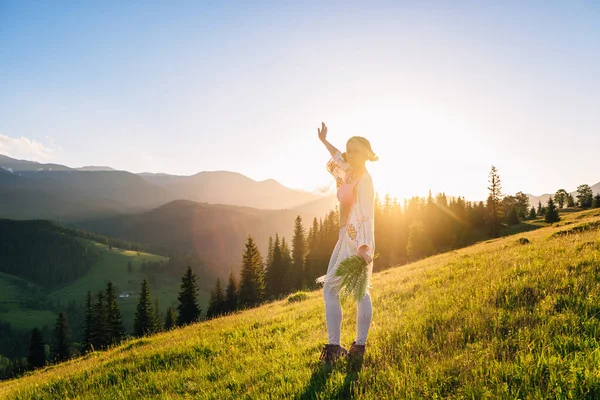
{"x":333,"y":313}
{"x":363,"y":318}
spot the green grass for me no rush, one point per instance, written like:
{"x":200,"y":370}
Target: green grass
{"x":501,"y":319}
{"x":112,"y":265}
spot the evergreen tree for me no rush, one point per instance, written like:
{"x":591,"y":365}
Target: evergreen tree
{"x":551,"y":212}
{"x":36,"y":357}
{"x":596,"y":203}
{"x":532,"y":214}
{"x":270,"y":253}
{"x":157,"y":317}
{"x":252,"y":285}
{"x":275,"y":274}
{"x":513,"y":217}
{"x":115,"y":332}
{"x":216,"y":305}
{"x":188,"y":310}
{"x":99,"y":323}
{"x":231,"y":297}
{"x":419,"y":244}
{"x":61,"y":346}
{"x":286,"y":260}
{"x":170,"y":319}
{"x":539,"y":209}
{"x":493,"y":202}
{"x":144,"y":322}
{"x":298,"y":255}
{"x":570,"y":200}
{"x":88,"y":324}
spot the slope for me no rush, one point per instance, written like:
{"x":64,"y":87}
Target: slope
{"x":504,"y":318}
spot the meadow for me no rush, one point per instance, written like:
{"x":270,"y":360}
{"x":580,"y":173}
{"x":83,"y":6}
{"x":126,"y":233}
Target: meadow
{"x":515,"y":317}
{"x":111,"y":265}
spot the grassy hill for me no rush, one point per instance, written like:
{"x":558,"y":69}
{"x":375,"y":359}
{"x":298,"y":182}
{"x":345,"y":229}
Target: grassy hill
{"x":112,"y":265}
{"x":506,"y":318}
{"x":216,"y":233}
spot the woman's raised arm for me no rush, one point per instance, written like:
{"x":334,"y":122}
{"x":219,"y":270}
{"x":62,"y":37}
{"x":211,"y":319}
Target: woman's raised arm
{"x":323,"y":137}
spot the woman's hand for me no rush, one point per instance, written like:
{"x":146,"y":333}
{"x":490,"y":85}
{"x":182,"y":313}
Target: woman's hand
{"x":362,"y":252}
{"x":322,"y":132}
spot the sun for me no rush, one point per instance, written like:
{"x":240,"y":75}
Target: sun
{"x":414,"y":140}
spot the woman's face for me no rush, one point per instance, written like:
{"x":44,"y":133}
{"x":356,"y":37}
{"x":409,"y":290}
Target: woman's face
{"x":355,"y":153}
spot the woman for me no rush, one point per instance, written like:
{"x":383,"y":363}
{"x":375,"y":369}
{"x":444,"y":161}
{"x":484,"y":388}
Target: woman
{"x":356,"y":237}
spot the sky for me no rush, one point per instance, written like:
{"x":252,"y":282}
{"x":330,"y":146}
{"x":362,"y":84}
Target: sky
{"x":443,"y":90}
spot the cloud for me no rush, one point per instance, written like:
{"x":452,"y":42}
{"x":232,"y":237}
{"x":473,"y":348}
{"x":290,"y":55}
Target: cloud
{"x":24,"y":148}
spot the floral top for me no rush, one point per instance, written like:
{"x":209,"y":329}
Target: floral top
{"x":360,"y":225}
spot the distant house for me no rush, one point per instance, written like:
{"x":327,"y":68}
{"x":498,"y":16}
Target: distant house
{"x":125,"y":294}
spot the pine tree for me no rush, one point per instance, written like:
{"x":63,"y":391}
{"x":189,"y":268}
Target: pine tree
{"x":144,"y":323}
{"x":298,"y":255}
{"x":513,"y":216}
{"x":157,"y":316}
{"x":170,"y":319}
{"x":493,"y":202}
{"x":99,"y":324}
{"x":570,"y":200}
{"x":217,"y":301}
{"x":539,"y":209}
{"x":270,"y":252}
{"x":596,"y":203}
{"x":115,"y":331}
{"x":286,"y":268}
{"x":36,"y":357}
{"x":231,"y":294}
{"x":88,"y":324}
{"x":61,"y":346}
{"x":532,"y":213}
{"x":274,"y":275}
{"x":252,"y":285}
{"x":551,"y":212}
{"x":188,"y":310}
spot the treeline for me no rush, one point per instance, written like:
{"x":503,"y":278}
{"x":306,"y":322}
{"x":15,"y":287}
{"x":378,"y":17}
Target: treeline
{"x":36,"y":251}
{"x":102,"y":326}
{"x":420,"y":227}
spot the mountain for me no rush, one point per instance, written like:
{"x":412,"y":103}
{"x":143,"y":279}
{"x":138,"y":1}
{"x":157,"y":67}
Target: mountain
{"x":506,"y":318}
{"x":94,"y":168}
{"x":224,"y":187}
{"x":215,"y":232}
{"x":533,"y":200}
{"x":15,"y":165}
{"x":42,"y":187}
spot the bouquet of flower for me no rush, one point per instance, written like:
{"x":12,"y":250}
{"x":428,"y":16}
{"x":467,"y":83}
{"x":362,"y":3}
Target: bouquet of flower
{"x":355,"y":276}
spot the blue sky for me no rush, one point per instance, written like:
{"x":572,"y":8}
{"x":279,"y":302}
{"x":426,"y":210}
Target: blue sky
{"x":442,"y":89}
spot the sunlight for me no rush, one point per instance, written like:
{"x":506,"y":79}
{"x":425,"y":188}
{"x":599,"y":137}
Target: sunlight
{"x":415,"y":141}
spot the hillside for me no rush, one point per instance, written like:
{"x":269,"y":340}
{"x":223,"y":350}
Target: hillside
{"x":500,"y":319}
{"x":46,"y":268}
{"x":215,"y":232}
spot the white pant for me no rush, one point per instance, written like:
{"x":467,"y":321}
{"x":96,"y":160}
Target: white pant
{"x":333,"y":315}
{"x":333,"y":309}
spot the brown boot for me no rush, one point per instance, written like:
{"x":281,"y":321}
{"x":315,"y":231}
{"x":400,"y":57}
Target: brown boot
{"x":332,"y":352}
{"x":356,"y":350}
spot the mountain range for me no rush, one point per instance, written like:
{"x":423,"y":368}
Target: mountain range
{"x":33,"y":190}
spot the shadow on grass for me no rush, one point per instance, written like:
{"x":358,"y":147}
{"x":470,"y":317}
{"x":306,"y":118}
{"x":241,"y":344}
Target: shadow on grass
{"x":321,"y":374}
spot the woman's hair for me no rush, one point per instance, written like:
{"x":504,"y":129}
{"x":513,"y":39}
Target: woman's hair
{"x":367,"y":145}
